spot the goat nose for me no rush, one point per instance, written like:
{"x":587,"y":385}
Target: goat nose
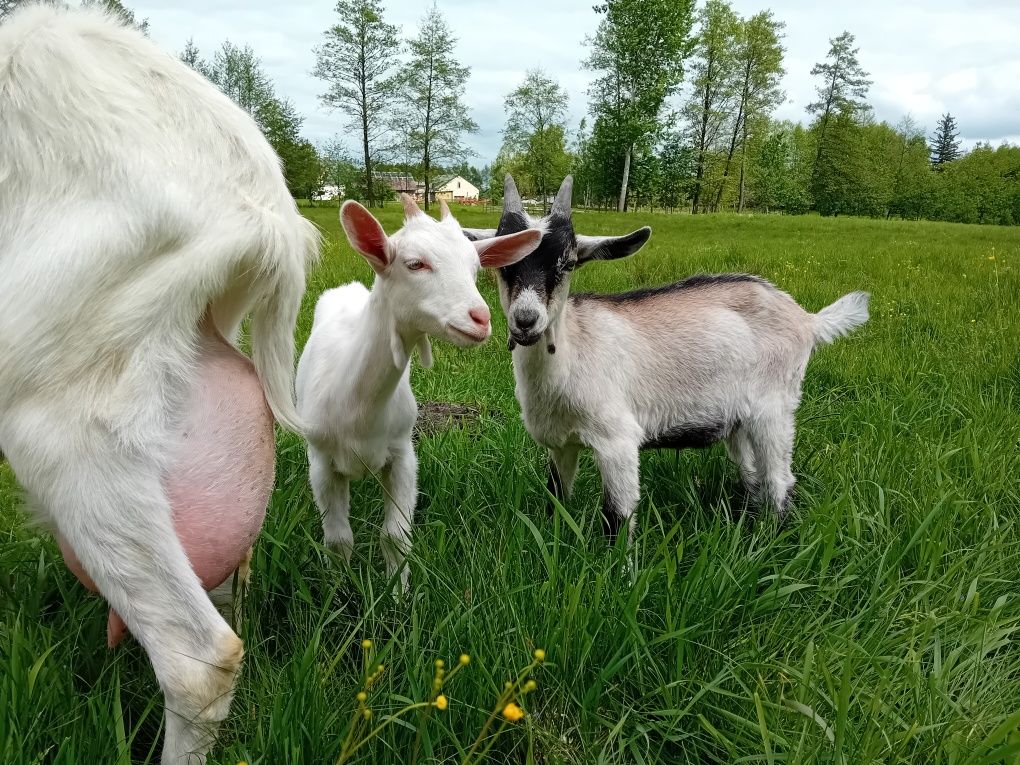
{"x":526,"y":319}
{"x":480,"y":315}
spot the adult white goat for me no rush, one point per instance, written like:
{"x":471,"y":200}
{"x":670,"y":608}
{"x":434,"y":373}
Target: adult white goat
{"x":353,"y":382}
{"x":710,"y":358}
{"x":142,"y":216}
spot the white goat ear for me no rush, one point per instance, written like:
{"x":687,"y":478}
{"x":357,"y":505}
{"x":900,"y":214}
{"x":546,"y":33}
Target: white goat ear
{"x":366,"y":235}
{"x":425,"y":352}
{"x":611,"y":247}
{"x":506,"y":250}
{"x":477,"y":234}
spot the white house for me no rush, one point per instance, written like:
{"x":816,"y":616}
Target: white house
{"x":454,"y":187}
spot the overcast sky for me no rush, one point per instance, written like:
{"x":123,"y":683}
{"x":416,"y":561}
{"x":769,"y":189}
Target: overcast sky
{"x":924,"y":56}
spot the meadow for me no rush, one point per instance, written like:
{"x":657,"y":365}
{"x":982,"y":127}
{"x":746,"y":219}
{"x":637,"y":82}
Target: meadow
{"x":878,"y":624}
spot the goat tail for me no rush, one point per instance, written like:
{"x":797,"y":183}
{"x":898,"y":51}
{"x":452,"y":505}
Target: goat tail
{"x":273,"y":322}
{"x":840,"y":318}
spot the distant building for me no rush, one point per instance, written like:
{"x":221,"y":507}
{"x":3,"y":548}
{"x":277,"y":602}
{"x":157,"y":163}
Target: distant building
{"x":454,"y":188}
{"x":399,"y":182}
{"x":329,"y":192}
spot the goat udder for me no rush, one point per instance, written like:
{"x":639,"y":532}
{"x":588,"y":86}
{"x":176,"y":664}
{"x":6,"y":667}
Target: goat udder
{"x":222,"y":474}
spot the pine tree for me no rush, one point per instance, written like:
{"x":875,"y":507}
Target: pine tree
{"x":945,"y":144}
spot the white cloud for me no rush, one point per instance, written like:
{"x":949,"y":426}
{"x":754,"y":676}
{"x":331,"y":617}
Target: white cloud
{"x":925,"y":57}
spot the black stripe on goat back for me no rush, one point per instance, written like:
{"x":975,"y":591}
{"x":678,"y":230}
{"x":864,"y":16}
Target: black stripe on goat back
{"x":690,"y":283}
{"x":686,"y":437}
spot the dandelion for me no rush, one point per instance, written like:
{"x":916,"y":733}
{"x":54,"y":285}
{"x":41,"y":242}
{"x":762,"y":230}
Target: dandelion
{"x":539,"y":654}
{"x":464,"y":659}
{"x":441,"y":703}
{"x":512,"y":712}
{"x":366,"y":644}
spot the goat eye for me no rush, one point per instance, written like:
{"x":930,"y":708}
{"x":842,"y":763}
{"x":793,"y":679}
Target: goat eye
{"x":417,"y":265}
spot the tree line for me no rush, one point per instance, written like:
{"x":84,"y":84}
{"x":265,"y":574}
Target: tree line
{"x":681,"y":116}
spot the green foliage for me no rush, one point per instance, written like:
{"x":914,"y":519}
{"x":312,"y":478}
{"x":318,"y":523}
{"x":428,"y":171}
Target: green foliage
{"x":639,"y":50}
{"x":432,"y":115}
{"x":115,"y":7}
{"x":533,"y":138}
{"x":878,"y":624}
{"x":356,"y":61}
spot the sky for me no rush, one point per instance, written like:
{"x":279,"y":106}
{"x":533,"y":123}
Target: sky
{"x":925,"y":57}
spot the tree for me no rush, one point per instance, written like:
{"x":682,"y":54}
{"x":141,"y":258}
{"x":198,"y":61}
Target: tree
{"x":192,"y":58}
{"x":355,"y":61}
{"x":238,"y":73}
{"x":639,"y":47}
{"x":534,"y":131}
{"x":759,"y":60}
{"x":945,"y":144}
{"x":115,"y":7}
{"x":338,"y":169}
{"x":841,"y":93}
{"x":432,"y":114}
{"x":714,"y":67}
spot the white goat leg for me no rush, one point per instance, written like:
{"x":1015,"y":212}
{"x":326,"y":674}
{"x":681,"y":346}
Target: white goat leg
{"x":108,"y":503}
{"x":400,"y":486}
{"x":741,"y":451}
{"x":562,"y":471}
{"x":772,"y":438}
{"x":332,"y":493}
{"x":618,"y":464}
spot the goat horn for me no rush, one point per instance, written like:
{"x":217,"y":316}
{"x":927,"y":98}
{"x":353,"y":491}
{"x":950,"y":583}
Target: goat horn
{"x":564,"y":197}
{"x":411,"y":208}
{"x":511,"y":197}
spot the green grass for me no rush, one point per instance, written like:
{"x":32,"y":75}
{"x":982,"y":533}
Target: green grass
{"x":879,"y":624}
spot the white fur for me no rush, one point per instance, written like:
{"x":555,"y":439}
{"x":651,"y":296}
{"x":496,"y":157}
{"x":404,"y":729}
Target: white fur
{"x":353,"y":381}
{"x":134,"y":198}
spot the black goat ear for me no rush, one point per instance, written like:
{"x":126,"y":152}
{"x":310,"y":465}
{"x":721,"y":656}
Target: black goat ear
{"x":611,"y":247}
{"x":477,"y":234}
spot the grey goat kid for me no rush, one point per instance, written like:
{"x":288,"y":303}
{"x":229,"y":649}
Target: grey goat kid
{"x":707,"y":359}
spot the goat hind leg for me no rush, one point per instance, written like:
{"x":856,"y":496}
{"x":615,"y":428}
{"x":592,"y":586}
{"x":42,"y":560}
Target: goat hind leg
{"x":772,"y":438}
{"x":107,"y":502}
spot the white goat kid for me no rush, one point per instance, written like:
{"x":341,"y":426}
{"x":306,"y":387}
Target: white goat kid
{"x":684,"y":365}
{"x":353,"y":381}
{"x":142,"y":216}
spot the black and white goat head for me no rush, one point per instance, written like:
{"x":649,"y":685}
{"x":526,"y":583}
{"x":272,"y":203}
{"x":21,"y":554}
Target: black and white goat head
{"x":534,"y":290}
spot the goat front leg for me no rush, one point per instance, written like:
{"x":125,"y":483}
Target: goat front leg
{"x":400,"y":485}
{"x":332,"y":493}
{"x":562,"y":470}
{"x":107,"y":502}
{"x":618,"y":464}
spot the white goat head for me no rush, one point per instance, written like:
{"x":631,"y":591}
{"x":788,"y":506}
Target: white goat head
{"x":428,"y":269}
{"x":534,"y":290}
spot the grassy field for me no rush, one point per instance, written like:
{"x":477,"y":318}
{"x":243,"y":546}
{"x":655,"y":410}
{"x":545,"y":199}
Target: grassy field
{"x":879,"y":624}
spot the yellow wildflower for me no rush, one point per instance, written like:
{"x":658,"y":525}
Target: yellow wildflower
{"x":464,"y":659}
{"x":512,"y":712}
{"x":366,"y":644}
{"x":362,"y":697}
{"x":539,"y":654}
{"x":441,"y":702}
